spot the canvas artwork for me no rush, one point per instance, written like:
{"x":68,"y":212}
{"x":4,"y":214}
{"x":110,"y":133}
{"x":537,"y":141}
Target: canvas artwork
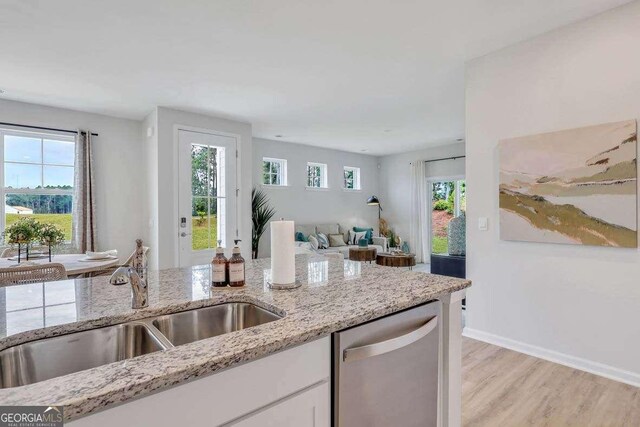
{"x":575,"y":186}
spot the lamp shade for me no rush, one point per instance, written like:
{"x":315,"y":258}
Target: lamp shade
{"x":373,"y":200}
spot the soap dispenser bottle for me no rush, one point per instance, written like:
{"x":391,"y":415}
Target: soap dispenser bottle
{"x":219,"y":267}
{"x":236,"y":267}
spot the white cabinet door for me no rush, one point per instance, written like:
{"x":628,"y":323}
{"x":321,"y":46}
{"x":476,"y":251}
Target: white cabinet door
{"x":235,"y":394}
{"x":308,"y":408}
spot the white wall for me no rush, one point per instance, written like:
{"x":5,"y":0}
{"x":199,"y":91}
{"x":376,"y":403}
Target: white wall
{"x":577,"y":305}
{"x":304,"y":206}
{"x":149,"y":138}
{"x":120,"y":181}
{"x":395,"y":180}
{"x":166,"y":193}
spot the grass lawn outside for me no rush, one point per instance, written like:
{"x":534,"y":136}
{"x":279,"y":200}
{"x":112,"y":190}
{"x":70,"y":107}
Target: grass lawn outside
{"x":200,"y":230}
{"x":439,"y":245}
{"x":63,"y":221}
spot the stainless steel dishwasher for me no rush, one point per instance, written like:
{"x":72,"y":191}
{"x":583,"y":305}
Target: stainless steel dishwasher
{"x":385,"y":372}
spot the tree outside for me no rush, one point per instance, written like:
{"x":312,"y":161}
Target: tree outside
{"x":204,"y":190}
{"x":443,"y":210}
{"x":47,"y":209}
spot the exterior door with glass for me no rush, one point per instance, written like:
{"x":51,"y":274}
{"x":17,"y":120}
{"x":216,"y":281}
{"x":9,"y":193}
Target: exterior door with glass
{"x":207,"y":195}
{"x":448,"y":201}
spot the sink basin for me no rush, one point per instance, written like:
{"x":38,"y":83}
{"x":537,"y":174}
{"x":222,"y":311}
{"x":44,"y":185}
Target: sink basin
{"x":189,"y":326}
{"x":48,"y":358}
{"x":53,"y":357}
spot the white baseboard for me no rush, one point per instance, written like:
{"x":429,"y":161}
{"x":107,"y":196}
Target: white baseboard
{"x":596,"y":368}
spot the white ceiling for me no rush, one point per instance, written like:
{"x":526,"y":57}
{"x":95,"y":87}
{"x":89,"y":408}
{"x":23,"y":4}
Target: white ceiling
{"x":378,"y":75}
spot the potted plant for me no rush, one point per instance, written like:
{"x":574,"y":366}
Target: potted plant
{"x":261,"y":214}
{"x":22,"y":232}
{"x":50,"y":235}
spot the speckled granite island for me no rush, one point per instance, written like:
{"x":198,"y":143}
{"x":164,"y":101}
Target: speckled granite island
{"x":334,"y":295}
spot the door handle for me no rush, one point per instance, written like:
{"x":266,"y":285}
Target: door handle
{"x":183,"y":234}
{"x":376,"y":349}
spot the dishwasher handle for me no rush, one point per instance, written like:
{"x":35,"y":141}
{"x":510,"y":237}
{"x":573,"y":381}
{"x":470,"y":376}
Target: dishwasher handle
{"x":376,"y":349}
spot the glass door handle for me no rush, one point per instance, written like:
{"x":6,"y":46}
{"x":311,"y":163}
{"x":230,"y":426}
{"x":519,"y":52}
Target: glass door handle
{"x":358,"y":353}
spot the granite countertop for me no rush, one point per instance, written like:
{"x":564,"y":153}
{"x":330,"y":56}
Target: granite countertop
{"x":335,"y":294}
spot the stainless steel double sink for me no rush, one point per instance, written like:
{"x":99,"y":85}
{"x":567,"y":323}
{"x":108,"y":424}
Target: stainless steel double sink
{"x":48,"y":358}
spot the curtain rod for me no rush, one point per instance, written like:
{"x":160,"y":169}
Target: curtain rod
{"x":444,"y":158}
{"x":43,"y":128}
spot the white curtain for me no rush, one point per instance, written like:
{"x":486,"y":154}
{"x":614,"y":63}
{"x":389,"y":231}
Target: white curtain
{"x":419,"y":220}
{"x":84,"y":217}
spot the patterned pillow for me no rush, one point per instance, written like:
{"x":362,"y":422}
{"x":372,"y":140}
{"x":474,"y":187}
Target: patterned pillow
{"x":369,"y":231}
{"x":300,"y":237}
{"x":314,"y":242}
{"x":323,"y":241}
{"x":355,"y":236}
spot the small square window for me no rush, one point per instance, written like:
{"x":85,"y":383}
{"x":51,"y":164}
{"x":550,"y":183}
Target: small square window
{"x":316,"y":175}
{"x":351,"y":178}
{"x":274,"y":171}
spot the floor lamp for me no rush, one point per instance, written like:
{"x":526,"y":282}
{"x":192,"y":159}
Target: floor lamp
{"x":373,"y":201}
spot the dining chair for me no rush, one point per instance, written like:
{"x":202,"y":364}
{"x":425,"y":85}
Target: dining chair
{"x":9,"y":252}
{"x":32,"y":274}
{"x":109,"y":270}
{"x":129,"y":260}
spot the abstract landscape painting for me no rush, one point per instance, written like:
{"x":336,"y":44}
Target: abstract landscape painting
{"x":575,"y":186}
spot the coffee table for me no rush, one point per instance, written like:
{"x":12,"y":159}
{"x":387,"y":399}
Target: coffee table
{"x":396,"y":260}
{"x":362,"y":254}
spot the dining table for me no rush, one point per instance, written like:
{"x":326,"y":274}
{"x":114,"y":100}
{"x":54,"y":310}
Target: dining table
{"x":75,"y":264}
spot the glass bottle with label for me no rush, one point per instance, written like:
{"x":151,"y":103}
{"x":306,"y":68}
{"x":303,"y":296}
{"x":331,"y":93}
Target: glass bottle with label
{"x":236,"y":267}
{"x":219,"y":267}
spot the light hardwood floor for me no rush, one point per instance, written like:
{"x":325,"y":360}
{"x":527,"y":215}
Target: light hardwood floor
{"x":504,"y":388}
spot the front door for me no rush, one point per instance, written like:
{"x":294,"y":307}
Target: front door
{"x":207,"y":195}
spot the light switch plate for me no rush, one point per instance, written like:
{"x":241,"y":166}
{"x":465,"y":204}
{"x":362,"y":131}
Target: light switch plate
{"x":483,"y":223}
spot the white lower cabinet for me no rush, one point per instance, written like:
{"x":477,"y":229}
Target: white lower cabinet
{"x":309,"y":408}
{"x":289,"y":388}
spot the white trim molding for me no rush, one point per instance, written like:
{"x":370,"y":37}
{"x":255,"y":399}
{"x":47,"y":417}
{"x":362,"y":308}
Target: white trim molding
{"x":586,"y":365}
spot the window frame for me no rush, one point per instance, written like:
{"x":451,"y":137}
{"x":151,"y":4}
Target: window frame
{"x":31,"y":191}
{"x":324,"y":172}
{"x":356,"y":178}
{"x":283,"y":169}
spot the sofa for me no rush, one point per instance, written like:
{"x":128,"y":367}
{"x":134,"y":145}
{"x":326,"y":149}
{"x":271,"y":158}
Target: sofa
{"x":379,"y":243}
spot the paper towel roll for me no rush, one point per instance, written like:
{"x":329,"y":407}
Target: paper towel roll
{"x":283,"y":252}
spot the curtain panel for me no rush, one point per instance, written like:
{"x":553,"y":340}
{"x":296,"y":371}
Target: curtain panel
{"x":84,"y":223}
{"x":418,"y":229}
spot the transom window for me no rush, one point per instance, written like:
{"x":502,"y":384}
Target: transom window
{"x":274,"y":171}
{"x":316,"y":175}
{"x":351,"y":178}
{"x":37,"y":178}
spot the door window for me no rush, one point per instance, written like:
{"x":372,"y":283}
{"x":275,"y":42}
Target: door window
{"x":449,"y":200}
{"x":207,"y":196}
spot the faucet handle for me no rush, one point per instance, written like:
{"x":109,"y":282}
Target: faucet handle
{"x":120,"y":276}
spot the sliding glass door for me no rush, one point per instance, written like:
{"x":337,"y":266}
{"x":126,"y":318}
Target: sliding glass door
{"x":448,"y":201}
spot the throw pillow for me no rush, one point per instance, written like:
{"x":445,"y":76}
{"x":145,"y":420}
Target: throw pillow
{"x":323,"y":241}
{"x":354,"y":237}
{"x":369,"y":231}
{"x":336,"y":240}
{"x":314,"y":243}
{"x":303,"y":245}
{"x":300,"y":237}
